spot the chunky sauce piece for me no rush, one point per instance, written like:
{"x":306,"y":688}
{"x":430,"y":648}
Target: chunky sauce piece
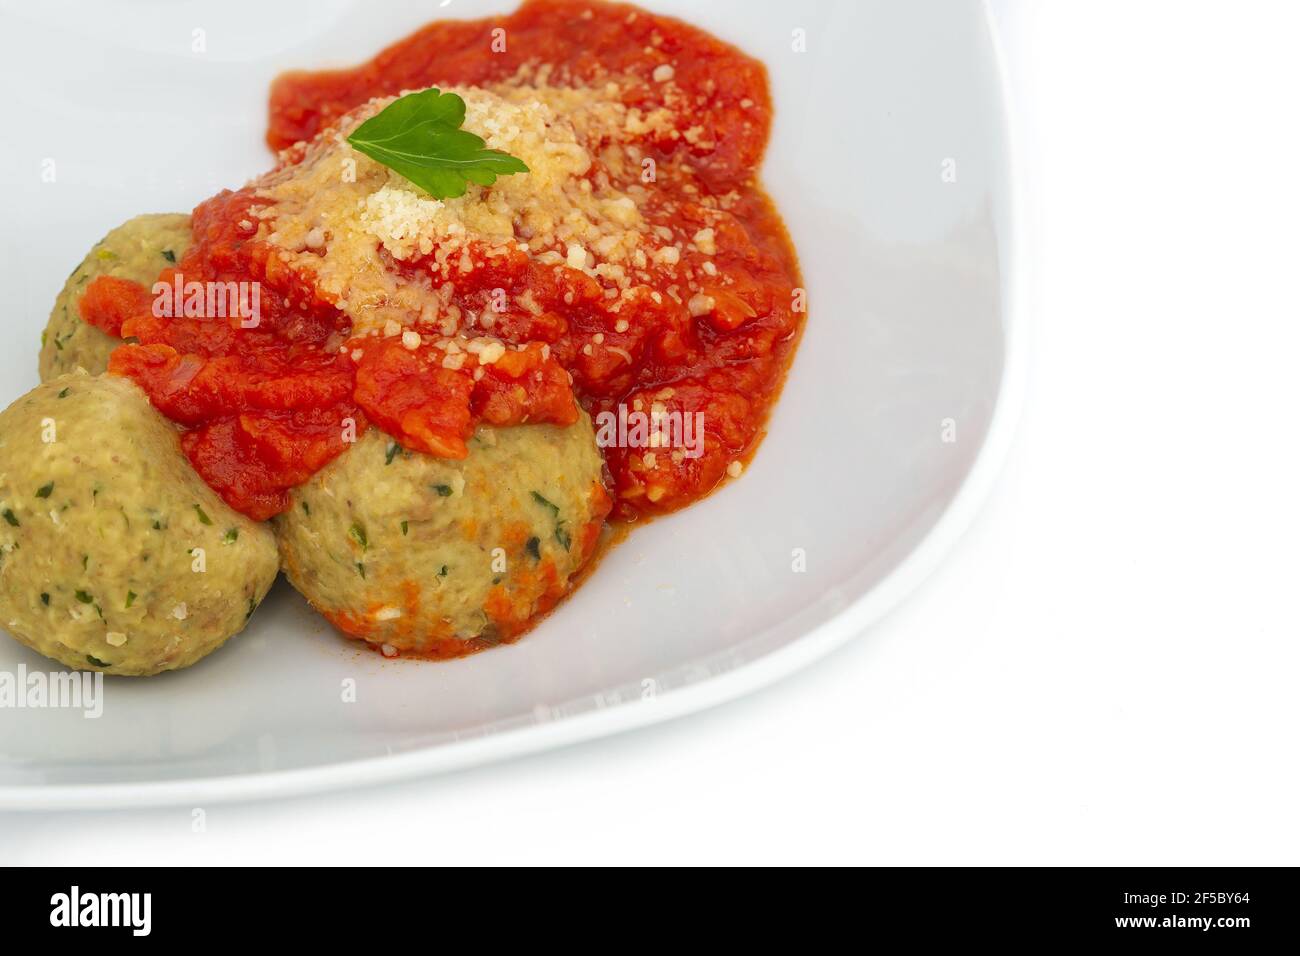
{"x":705,"y":322}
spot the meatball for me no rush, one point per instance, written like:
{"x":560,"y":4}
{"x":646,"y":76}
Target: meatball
{"x":440,"y":558}
{"x":139,"y":250}
{"x":114,"y":554}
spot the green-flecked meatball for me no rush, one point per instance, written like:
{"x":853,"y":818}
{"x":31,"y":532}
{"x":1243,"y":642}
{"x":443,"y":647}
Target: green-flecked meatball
{"x":114,"y":554}
{"x":440,"y":558}
{"x":138,"y":250}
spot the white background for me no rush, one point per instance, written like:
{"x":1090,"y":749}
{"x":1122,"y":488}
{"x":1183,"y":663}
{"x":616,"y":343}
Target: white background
{"x":1104,"y":670}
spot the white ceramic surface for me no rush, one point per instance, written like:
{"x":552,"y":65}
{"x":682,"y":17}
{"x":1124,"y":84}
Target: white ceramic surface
{"x":912,"y":300}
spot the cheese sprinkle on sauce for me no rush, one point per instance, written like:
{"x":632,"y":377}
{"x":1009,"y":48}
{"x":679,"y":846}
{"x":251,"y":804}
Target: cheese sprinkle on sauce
{"x":637,"y":263}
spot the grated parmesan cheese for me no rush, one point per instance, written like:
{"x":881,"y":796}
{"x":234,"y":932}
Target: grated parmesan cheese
{"x":560,"y":212}
{"x":700,"y":304}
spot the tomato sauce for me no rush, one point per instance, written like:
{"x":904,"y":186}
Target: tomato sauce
{"x":261,"y":407}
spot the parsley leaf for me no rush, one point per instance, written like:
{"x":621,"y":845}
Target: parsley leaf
{"x":358,"y":534}
{"x":419,"y":137}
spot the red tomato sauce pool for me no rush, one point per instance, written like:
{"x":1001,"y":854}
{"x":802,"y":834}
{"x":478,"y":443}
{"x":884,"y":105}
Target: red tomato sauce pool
{"x":261,"y":407}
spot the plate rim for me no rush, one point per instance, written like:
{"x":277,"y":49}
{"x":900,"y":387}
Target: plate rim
{"x":752,"y":676}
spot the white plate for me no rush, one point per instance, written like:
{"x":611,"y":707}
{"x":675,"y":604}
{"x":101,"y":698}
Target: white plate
{"x":911,"y":306}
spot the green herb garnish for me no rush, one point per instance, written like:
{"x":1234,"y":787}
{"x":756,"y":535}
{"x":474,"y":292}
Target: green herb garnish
{"x":169,"y":256}
{"x":561,"y":535}
{"x":83,"y":597}
{"x":9,"y":516}
{"x":45,"y":599}
{"x":203,"y":515}
{"x":404,"y":526}
{"x":391,"y":452}
{"x":358,"y":534}
{"x":44,"y":490}
{"x":97,"y":662}
{"x":419,"y":137}
{"x":231,"y":536}
{"x":130,"y":598}
{"x":534,"y":548}
{"x":444,"y":491}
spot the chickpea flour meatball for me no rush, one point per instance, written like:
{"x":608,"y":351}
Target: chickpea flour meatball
{"x":138,"y":250}
{"x":439,"y":557}
{"x":114,"y":554}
